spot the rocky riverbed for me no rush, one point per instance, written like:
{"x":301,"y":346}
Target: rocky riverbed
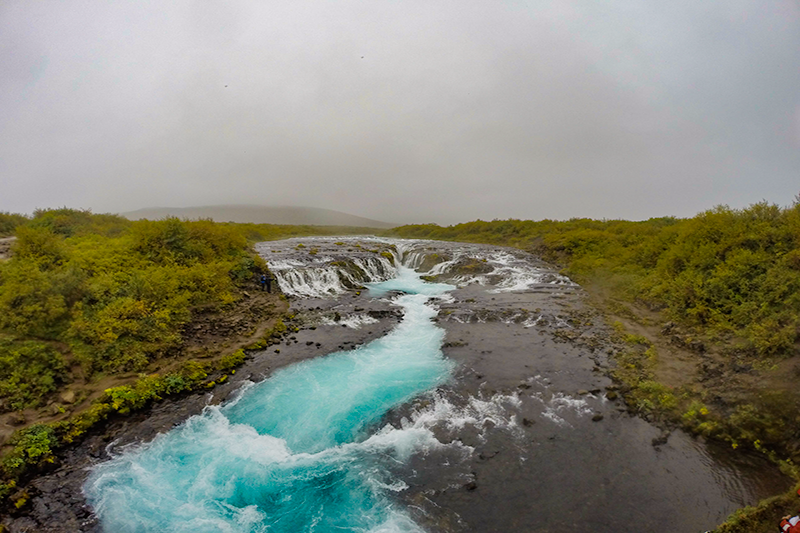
{"x":529,"y":432}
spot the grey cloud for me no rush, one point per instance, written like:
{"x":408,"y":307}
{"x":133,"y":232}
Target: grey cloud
{"x":402,"y":111}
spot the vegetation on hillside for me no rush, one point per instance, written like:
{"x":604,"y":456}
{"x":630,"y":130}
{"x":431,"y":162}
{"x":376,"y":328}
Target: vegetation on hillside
{"x":114,"y":294}
{"x":100,"y":295}
{"x":9,"y":222}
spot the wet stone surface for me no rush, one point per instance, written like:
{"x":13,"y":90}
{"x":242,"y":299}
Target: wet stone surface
{"x":529,"y":432}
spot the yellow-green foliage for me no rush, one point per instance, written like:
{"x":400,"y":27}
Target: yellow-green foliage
{"x":725,"y":269}
{"x":763,"y":517}
{"x":118,"y":292}
{"x":654,"y":398}
{"x":32,"y":446}
{"x":35,"y":446}
{"x":9,"y":222}
{"x":634,"y":339}
{"x":232,"y":360}
{"x":28,"y":371}
{"x":127,"y":398}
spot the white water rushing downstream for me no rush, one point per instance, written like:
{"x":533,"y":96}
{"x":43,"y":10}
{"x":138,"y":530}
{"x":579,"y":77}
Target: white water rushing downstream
{"x":508,"y":441}
{"x":320,"y":276}
{"x":292,"y":453}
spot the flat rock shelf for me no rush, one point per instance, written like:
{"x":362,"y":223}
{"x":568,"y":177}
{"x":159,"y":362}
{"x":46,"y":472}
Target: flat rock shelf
{"x":430,"y":386}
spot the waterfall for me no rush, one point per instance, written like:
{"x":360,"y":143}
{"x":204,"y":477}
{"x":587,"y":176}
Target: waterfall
{"x":296,"y":452}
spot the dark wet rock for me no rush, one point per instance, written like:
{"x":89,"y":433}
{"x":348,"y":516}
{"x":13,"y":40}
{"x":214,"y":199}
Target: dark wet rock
{"x":527,"y":422}
{"x":454,"y":344}
{"x":612,"y":395}
{"x":661,"y":439}
{"x":597,"y":417}
{"x":470,"y":436}
{"x":667,"y":328}
{"x":710,"y":370}
{"x":486,"y":455}
{"x":583,"y":392}
{"x":444,"y":436}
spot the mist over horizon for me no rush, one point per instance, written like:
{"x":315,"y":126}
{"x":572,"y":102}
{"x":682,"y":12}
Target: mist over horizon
{"x":401,"y":112}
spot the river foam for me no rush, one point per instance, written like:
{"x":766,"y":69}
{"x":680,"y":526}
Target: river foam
{"x":303,"y":270}
{"x":296,"y":452}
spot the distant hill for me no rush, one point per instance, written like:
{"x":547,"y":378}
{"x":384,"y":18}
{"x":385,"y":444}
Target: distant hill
{"x":260,"y":215}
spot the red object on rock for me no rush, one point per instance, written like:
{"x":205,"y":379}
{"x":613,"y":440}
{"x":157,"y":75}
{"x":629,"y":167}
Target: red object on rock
{"x":787,"y":527}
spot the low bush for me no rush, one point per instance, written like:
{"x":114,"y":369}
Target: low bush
{"x":29,"y":370}
{"x":9,"y":222}
{"x":36,"y":446}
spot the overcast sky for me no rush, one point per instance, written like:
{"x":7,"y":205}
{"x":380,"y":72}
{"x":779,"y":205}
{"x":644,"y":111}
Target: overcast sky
{"x":403,"y":111}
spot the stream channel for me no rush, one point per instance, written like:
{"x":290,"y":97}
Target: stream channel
{"x":431,"y":386}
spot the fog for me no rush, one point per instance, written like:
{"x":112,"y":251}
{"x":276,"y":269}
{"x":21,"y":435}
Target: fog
{"x":412,"y":111}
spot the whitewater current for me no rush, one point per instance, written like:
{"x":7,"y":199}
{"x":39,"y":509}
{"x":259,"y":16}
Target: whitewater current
{"x":299,"y":451}
{"x":506,"y":426}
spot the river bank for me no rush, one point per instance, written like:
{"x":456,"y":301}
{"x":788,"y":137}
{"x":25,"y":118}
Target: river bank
{"x":56,"y":503}
{"x":707,"y":309}
{"x":554,"y":357}
{"x":530,"y":433}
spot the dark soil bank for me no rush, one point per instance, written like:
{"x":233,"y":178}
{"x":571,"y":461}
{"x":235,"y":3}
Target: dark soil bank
{"x":533,"y":437}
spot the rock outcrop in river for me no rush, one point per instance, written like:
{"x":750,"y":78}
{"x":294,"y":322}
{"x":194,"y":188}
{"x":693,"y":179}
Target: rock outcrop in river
{"x":517,"y":429}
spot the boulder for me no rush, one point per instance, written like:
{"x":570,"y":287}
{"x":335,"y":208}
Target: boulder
{"x":68,"y":397}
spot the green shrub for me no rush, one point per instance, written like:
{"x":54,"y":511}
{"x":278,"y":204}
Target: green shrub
{"x":9,"y":222}
{"x":40,"y":245}
{"x":32,"y":446}
{"x":29,"y":370}
{"x":231,"y":361}
{"x":29,"y":303}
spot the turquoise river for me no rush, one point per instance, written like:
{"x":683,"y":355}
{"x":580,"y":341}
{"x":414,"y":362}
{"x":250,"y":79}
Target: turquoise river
{"x":300,"y":451}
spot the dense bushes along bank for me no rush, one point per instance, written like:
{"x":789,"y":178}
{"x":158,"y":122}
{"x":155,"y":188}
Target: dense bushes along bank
{"x":85,"y":296}
{"x":9,"y":222}
{"x":113,"y":295}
